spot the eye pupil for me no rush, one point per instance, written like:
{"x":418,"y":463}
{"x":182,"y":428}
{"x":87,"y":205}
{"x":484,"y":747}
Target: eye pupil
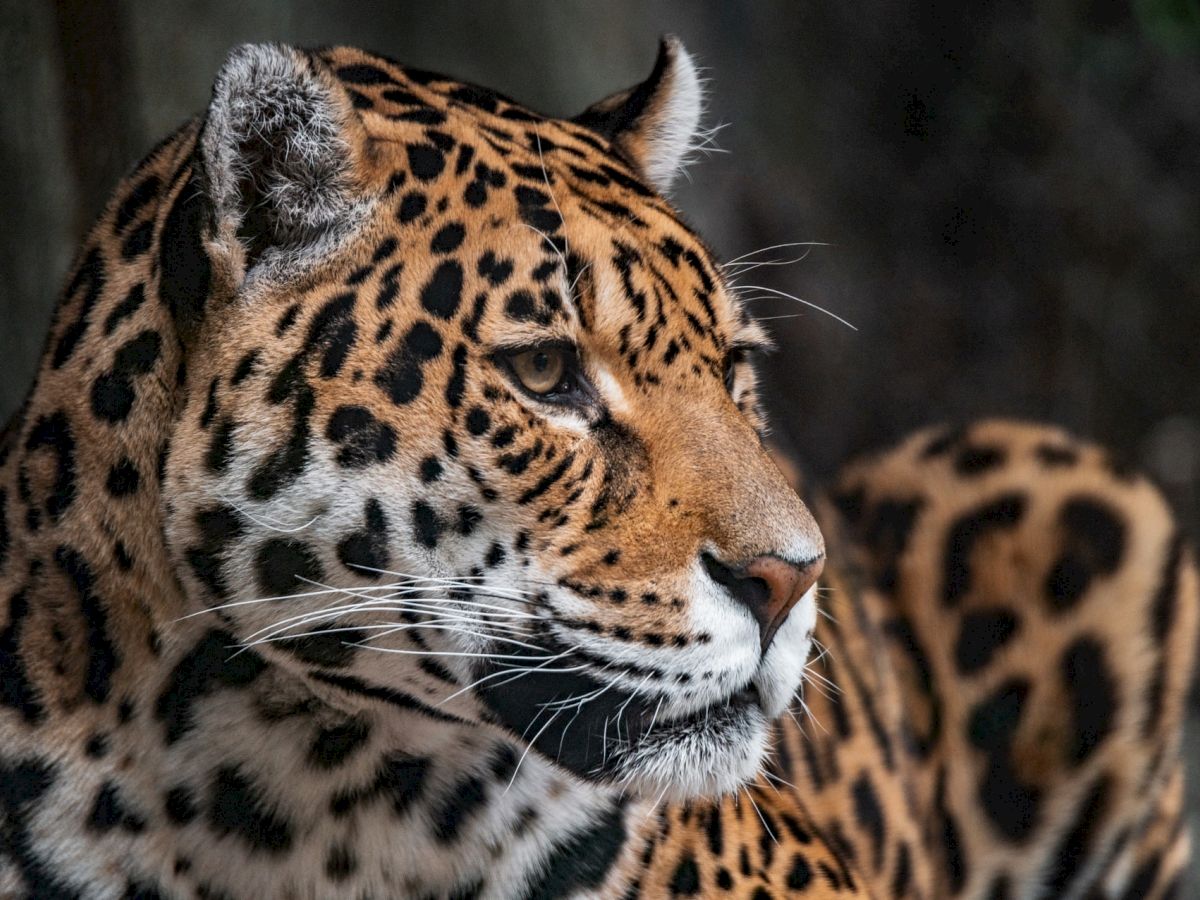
{"x":543,"y":371}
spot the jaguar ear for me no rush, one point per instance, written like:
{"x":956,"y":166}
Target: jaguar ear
{"x":280,"y":144}
{"x":655,"y":123}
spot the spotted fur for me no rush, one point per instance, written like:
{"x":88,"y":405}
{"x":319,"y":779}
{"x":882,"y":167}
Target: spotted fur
{"x":305,"y":595}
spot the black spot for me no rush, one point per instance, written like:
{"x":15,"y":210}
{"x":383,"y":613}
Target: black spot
{"x":431,"y":469}
{"x":113,"y":393}
{"x":1011,"y":804}
{"x":237,"y":806}
{"x":285,"y":565}
{"x":869,"y":815}
{"x":534,"y":207}
{"x":972,"y":460}
{"x":217,"y":525}
{"x":362,"y":439}
{"x":496,"y":271}
{"x":442,"y":295}
{"x":448,"y":238}
{"x":183,"y":259}
{"x":332,"y":333}
{"x":902,"y":877}
{"x":284,"y":464}
{"x":457,"y":384}
{"x":495,"y":555}
{"x":478,"y":421}
{"x":468,"y":520}
{"x":215,"y":663}
{"x":340,"y":863}
{"x":220,"y":446}
{"x":365,"y":552}
{"x":426,"y":524}
{"x":122,"y":478}
{"x":425,"y":161}
{"x":1092,"y":696}
{"x":685,"y":882}
{"x":521,"y":306}
{"x":401,"y":377}
{"x":981,"y":634}
{"x":180,"y":805}
{"x":954,"y":856}
{"x":287,"y":320}
{"x":109,"y":811}
{"x":412,"y":205}
{"x":97,"y":746}
{"x":334,"y":745}
{"x":887,"y":533}
{"x":1002,"y":514}
{"x":362,"y":73}
{"x":1093,"y":545}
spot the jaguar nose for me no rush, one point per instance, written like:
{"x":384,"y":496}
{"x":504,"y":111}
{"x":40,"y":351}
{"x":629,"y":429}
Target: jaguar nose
{"x":767,"y":586}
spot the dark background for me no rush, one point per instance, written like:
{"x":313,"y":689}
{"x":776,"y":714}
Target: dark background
{"x":1008,"y":191}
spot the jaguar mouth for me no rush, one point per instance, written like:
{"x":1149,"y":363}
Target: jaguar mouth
{"x":600,"y":732}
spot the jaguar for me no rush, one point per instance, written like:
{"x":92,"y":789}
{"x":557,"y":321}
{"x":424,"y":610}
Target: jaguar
{"x":392,"y":516}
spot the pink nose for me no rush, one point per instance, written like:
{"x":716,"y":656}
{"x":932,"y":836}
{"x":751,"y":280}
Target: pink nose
{"x":767,"y":586}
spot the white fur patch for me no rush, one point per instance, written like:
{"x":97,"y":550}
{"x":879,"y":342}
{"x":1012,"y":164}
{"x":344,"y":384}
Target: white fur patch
{"x":675,"y":132}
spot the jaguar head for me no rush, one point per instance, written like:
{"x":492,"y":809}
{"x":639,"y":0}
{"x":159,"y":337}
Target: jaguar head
{"x":471,"y":426}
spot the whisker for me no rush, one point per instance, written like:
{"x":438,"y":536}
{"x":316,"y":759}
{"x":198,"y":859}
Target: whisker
{"x":808,"y":303}
{"x":730,"y":262}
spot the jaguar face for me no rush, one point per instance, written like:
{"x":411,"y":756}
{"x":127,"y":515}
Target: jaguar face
{"x":472,"y":426}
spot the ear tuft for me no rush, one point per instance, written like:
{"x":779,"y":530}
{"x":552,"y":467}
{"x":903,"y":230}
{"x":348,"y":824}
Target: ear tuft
{"x":655,"y":123}
{"x":278,"y":146}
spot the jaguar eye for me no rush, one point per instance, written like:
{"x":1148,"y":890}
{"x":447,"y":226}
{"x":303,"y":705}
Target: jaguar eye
{"x":543,"y":370}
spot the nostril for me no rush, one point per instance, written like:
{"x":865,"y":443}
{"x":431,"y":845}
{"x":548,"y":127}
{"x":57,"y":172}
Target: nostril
{"x":767,"y":586}
{"x":749,"y":589}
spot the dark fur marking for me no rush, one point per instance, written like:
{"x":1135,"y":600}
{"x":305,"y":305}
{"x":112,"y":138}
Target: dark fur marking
{"x":92,"y":273}
{"x":581,"y":861}
{"x":103,"y":658}
{"x":401,"y":377}
{"x":362,"y":439}
{"x":237,"y":806}
{"x":398,"y":780}
{"x":1002,"y":514}
{"x":367,"y":550}
{"x":16,"y":689}
{"x":442,"y":294}
{"x":981,"y":634}
{"x":332,"y":746}
{"x":213,"y":664}
{"x":1093,"y":546}
{"x":53,"y":432}
{"x":1092,"y":694}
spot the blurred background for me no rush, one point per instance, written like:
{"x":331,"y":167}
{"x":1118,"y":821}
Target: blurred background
{"x":1005,"y":194}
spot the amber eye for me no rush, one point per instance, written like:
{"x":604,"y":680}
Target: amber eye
{"x":542,"y":370}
